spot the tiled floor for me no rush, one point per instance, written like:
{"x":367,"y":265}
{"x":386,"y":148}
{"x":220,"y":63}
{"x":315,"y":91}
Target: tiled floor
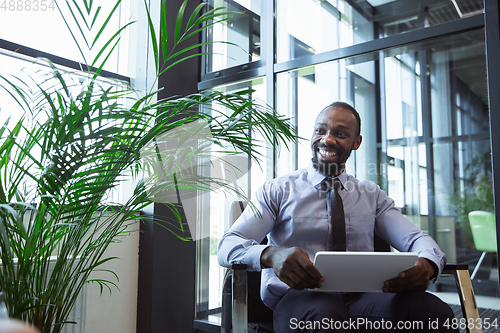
{"x":485,"y":302}
{"x":488,"y":307}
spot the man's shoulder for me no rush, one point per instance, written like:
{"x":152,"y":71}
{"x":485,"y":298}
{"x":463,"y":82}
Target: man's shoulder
{"x":290,"y":177}
{"x":286,"y":182}
{"x":361,"y":184}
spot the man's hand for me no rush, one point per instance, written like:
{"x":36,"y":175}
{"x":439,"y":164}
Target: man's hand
{"x":415,"y":278}
{"x":292,"y":266}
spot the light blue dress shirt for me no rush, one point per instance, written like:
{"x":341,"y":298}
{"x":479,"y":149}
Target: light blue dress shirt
{"x":294,"y":212}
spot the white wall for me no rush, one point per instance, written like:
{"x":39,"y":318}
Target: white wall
{"x":116,"y":312}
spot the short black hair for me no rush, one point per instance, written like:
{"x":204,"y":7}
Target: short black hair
{"x":344,"y":105}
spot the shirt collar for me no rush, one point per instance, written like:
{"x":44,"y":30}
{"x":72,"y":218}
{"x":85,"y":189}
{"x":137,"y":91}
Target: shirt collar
{"x":317,"y":177}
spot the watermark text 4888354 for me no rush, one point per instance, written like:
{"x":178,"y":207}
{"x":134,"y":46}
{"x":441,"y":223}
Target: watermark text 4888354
{"x":27,"y":5}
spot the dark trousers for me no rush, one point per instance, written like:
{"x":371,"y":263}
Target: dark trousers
{"x":308,"y":311}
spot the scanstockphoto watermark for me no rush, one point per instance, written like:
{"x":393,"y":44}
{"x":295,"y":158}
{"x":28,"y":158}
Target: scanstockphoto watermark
{"x":360,"y":324}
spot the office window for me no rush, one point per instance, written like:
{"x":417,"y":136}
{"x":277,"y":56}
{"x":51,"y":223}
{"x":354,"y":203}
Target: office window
{"x":214,"y":208}
{"x":449,"y":134}
{"x":43,"y":30}
{"x":311,"y":27}
{"x":34,"y":75}
{"x":301,"y":94}
{"x":422,"y":101}
{"x":237,"y":40}
{"x":47,"y":31}
{"x":435,"y":151}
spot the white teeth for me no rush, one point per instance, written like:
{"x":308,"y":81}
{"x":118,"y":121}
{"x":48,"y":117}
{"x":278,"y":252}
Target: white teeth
{"x":327,"y":153}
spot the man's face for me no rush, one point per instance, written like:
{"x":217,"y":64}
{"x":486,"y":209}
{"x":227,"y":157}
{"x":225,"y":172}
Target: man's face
{"x":333,"y":139}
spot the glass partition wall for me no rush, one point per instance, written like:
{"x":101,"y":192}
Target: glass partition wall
{"x":423,"y":102}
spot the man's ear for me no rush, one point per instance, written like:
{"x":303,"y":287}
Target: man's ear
{"x":357,"y":142}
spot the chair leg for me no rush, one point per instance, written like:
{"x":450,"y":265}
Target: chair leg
{"x":477,"y":265}
{"x":227,"y":300}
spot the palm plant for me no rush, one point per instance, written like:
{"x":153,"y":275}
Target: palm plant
{"x":76,"y":139}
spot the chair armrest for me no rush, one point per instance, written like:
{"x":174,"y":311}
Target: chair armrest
{"x":465,"y":293}
{"x":240,"y":299}
{"x":452,"y":268}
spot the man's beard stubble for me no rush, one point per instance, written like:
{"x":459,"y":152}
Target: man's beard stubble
{"x":330,"y":169}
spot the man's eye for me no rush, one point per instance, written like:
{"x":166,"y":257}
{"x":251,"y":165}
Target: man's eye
{"x":341,"y":134}
{"x":320,"y":130}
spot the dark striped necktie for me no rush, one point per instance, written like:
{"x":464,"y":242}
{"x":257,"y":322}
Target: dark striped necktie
{"x":337,"y":218}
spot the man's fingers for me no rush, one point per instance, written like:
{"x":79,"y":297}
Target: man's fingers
{"x":414,"y":278}
{"x":295,"y":281}
{"x":308,"y":278}
{"x":292,"y":266}
{"x":309,"y":270}
{"x":300,"y":271}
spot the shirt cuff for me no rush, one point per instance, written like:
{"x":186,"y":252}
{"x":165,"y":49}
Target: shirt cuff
{"x":254,"y":253}
{"x":437,"y":261}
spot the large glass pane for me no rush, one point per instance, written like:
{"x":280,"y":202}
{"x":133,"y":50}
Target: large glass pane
{"x":469,"y":191}
{"x":237,"y":41}
{"x":431,"y":152}
{"x":439,"y":156}
{"x":215,"y":210}
{"x":307,"y":27}
{"x":39,"y":25}
{"x":461,"y":76}
{"x":403,"y":107}
{"x":33,"y":75}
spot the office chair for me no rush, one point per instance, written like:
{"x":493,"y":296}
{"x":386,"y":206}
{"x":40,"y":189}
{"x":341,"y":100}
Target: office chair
{"x":483,"y":229}
{"x":243,"y":311}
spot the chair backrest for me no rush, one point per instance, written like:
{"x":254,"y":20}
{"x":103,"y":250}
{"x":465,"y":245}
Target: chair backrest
{"x":237,"y":207}
{"x":483,"y":230}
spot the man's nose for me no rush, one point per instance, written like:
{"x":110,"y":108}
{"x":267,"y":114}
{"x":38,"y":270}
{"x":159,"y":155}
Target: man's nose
{"x":329,"y":139}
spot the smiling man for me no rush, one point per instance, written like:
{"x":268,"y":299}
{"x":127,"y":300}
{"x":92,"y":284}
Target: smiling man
{"x":335,"y":135}
{"x":298,"y":220}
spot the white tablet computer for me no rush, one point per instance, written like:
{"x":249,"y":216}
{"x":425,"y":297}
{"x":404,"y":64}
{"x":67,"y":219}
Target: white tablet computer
{"x":360,"y":271}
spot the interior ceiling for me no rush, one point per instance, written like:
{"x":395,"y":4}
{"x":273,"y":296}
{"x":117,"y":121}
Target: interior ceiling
{"x":438,"y":11}
{"x":469,"y":64}
{"x":447,"y":11}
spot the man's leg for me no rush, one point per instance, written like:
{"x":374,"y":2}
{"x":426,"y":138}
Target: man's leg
{"x":403,"y":312}
{"x":308,"y":311}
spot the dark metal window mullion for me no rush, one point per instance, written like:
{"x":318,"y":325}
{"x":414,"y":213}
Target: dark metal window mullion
{"x":425,"y":88}
{"x":492,"y":29}
{"x":268,"y":52}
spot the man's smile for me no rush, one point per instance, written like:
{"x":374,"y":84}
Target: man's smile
{"x":326,"y":153}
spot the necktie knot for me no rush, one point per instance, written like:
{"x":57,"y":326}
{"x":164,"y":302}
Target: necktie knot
{"x":329,"y":184}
